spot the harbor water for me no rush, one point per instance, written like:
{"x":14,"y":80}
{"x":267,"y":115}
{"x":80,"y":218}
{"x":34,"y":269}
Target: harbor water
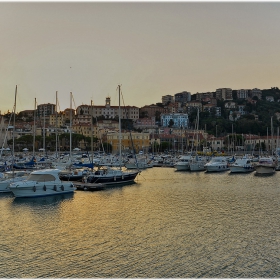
{"x":167,"y":225}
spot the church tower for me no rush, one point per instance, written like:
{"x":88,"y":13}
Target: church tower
{"x":108,"y":101}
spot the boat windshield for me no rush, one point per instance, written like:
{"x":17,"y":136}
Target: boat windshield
{"x":41,"y":177}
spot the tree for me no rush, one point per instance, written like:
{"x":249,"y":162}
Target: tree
{"x":171,"y":123}
{"x":157,"y":115}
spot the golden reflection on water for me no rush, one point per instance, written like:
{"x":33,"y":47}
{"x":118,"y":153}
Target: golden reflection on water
{"x":168,"y":224}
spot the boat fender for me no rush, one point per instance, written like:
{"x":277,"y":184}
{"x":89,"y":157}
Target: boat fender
{"x":54,"y":188}
{"x":44,"y":188}
{"x":219,"y":167}
{"x":62,"y":187}
{"x":34,"y":189}
{"x":115,"y":178}
{"x":122,"y":177}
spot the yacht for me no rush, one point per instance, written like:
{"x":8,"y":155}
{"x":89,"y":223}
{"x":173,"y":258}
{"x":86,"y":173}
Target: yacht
{"x":217,"y":164}
{"x":183,"y":163}
{"x":198,"y":163}
{"x":42,"y":183}
{"x":111,"y":176}
{"x":242,"y":165}
{"x":265,"y":165}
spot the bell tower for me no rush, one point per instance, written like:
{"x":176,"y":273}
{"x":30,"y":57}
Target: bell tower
{"x":108,"y":102}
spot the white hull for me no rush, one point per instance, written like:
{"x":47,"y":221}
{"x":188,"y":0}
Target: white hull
{"x":198,"y":166}
{"x":217,"y":164}
{"x":182,"y":167}
{"x":241,"y":169}
{"x":4,"y":185}
{"x":214,"y":168}
{"x":38,"y":190}
{"x":42,"y":183}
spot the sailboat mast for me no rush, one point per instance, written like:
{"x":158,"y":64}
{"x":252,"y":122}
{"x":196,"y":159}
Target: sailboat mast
{"x":56,"y":125}
{"x":70,"y":125}
{"x":34,"y":128}
{"x":272,"y":132}
{"x":120,"y":141}
{"x":44,"y":132}
{"x":91,"y":131}
{"x":197,"y":129}
{"x":14,"y":122}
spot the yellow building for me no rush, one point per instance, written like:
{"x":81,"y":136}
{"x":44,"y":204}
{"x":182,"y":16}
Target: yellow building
{"x":59,"y":119}
{"x":84,"y":129}
{"x":141,"y":141}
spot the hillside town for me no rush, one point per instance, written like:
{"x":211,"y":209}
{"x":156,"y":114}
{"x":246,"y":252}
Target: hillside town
{"x":177,"y":123}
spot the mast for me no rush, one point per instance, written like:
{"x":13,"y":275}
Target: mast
{"x":120,"y":141}
{"x":44,"y":133}
{"x":34,"y":128}
{"x":56,"y":125}
{"x":70,"y":126}
{"x":272,"y":136}
{"x":14,"y":124}
{"x":91,"y":131}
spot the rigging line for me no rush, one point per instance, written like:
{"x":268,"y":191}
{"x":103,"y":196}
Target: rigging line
{"x":133,"y":148}
{"x":5,"y":138}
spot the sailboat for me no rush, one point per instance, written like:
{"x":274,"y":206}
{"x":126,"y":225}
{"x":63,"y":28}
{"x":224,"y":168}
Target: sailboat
{"x":112,"y":176}
{"x":198,"y":162}
{"x":12,"y":176}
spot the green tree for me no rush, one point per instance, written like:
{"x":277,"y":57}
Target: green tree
{"x":171,"y":123}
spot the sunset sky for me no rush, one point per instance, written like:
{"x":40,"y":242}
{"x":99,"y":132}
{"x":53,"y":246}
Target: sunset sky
{"x":150,"y":48}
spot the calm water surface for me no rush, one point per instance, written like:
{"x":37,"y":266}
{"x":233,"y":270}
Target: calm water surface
{"x":169,"y":224}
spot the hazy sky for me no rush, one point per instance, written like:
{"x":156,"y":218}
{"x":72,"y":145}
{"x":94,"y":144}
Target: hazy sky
{"x":150,"y":48}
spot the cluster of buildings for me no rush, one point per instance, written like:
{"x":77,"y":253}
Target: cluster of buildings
{"x":167,"y":121}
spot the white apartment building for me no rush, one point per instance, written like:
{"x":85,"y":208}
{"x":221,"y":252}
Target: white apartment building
{"x":242,"y":93}
{"x":179,"y":119}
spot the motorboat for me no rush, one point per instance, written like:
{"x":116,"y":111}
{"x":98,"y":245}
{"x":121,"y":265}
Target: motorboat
{"x":10,"y":177}
{"x":242,"y":165}
{"x":111,"y":176}
{"x":217,"y":164}
{"x":198,"y":163}
{"x":265,"y":165}
{"x":183,"y":163}
{"x":42,"y":183}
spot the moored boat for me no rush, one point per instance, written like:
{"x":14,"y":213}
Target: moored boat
{"x":10,"y":177}
{"x":217,"y":164}
{"x":183,"y":163}
{"x":265,"y":165}
{"x":242,"y":165}
{"x":111,"y":176}
{"x":198,"y":163}
{"x":42,"y":183}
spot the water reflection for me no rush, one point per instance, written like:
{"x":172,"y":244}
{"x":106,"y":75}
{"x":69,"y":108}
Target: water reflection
{"x":166,"y":225}
{"x":44,"y":200}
